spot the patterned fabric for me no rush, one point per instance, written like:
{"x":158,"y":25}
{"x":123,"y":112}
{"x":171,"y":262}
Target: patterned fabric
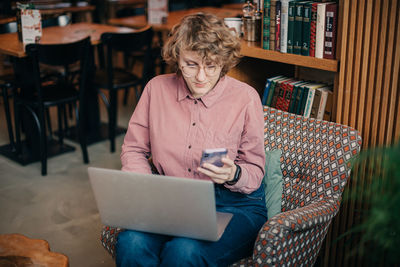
{"x":315,"y":163}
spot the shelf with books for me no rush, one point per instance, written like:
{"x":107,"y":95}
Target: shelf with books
{"x":253,"y":49}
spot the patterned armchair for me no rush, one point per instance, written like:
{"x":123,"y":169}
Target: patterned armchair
{"x":315,"y":164}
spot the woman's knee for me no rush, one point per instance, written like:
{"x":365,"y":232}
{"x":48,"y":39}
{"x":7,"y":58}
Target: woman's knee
{"x":184,"y":252}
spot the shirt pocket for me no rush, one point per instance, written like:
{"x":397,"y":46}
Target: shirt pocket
{"x":223,"y":140}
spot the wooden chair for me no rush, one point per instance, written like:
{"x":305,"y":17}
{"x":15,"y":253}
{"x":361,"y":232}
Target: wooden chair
{"x":315,"y":164}
{"x":54,"y":91}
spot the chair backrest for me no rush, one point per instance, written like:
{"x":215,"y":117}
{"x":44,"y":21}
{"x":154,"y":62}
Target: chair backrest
{"x":316,"y":156}
{"x":60,"y":55}
{"x":138,"y":41}
{"x":9,"y":27}
{"x":61,"y":20}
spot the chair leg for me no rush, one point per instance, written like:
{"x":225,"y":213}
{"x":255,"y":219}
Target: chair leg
{"x":8,"y":117}
{"x":17,"y":123}
{"x":68,"y":109}
{"x":43,"y":142}
{"x":112,"y":119}
{"x":60,"y":111}
{"x":126,"y":94}
{"x":82,"y":133}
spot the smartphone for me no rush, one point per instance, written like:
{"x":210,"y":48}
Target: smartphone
{"x":213,"y":156}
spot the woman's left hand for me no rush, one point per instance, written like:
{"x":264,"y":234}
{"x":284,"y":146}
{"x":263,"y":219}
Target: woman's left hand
{"x":222,"y":174}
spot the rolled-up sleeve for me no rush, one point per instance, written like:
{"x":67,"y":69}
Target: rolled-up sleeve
{"x":251,"y":154}
{"x":136,"y":146}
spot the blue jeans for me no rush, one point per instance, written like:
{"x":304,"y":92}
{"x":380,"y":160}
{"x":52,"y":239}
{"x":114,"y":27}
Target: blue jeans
{"x":136,"y":248}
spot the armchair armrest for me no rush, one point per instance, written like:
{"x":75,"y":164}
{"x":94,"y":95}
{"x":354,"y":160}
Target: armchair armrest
{"x":295,"y":236}
{"x":317,"y":212}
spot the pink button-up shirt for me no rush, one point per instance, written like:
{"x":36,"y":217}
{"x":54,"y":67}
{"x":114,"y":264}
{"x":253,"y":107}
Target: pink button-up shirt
{"x":174,"y":128}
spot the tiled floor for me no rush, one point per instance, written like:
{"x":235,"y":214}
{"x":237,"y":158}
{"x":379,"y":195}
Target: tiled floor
{"x":59,"y":207}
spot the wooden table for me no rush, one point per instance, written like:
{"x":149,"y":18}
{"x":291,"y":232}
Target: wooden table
{"x":10,"y":45}
{"x":58,"y":11}
{"x":95,"y":130}
{"x":19,"y":250}
{"x":174,"y":17}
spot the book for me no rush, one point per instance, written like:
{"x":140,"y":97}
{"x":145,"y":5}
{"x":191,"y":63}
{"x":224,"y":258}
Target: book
{"x":284,"y":25}
{"x":271,"y":90}
{"x":290,"y":30}
{"x":305,"y":49}
{"x":278,"y":26}
{"x":325,"y":103}
{"x":310,"y":98}
{"x":330,"y":31}
{"x":266,"y":21}
{"x":320,"y":30}
{"x":303,"y":98}
{"x":267,"y":88}
{"x":298,"y":28}
{"x":272,"y":24}
{"x":313,"y":26}
{"x":315,"y":103}
{"x":289,"y":90}
{"x":277,"y":90}
{"x":284,"y":95}
{"x":296,"y":96}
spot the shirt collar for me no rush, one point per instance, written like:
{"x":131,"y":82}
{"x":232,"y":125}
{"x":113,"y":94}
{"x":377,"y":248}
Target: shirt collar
{"x":209,"y":99}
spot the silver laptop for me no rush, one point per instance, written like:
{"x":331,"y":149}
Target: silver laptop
{"x":158,"y":204}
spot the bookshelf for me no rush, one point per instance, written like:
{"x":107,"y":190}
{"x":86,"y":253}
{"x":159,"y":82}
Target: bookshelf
{"x":253,"y":49}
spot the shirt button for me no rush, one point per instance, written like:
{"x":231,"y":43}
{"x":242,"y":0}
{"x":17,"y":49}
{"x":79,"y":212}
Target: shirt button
{"x":190,"y":146}
{"x":194,"y":124}
{"x":189,"y":170}
{"x":195,"y":101}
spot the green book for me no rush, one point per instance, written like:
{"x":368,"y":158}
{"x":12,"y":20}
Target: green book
{"x":290,"y":27}
{"x":305,"y":50}
{"x":297,"y":99}
{"x":298,"y":28}
{"x":266,"y":24}
{"x":302,"y":99}
{"x":292,"y":104}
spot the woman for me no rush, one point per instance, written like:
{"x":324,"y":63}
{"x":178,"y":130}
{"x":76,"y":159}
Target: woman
{"x":177,"y":117}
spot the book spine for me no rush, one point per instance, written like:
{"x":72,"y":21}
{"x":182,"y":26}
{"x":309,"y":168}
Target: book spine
{"x":326,"y":96}
{"x":281,"y":95}
{"x":284,"y":25}
{"x":278,"y":26}
{"x":276,"y":93}
{"x":315,"y":103}
{"x":266,"y":91}
{"x":303,"y":102}
{"x":327,"y":116}
{"x":309,"y":101}
{"x":292,"y":104}
{"x":290,"y":31}
{"x":305,"y":49}
{"x":266,"y":22}
{"x":320,"y":31}
{"x":298,"y":28}
{"x":272,"y":90}
{"x":313,"y":25}
{"x":288,"y":96}
{"x":330,"y":31}
{"x":272,"y":25}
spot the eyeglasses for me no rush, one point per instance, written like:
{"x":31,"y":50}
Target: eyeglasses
{"x":192,"y":70}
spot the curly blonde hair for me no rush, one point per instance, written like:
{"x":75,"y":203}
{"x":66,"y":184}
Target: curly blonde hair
{"x":207,"y":35}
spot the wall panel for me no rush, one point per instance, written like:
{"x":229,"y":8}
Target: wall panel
{"x":367,"y":98}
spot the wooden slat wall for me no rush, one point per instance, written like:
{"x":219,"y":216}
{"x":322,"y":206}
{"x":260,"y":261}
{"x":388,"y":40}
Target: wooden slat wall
{"x":367,"y":98}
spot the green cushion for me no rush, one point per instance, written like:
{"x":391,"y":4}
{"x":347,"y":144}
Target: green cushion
{"x":273,"y":182}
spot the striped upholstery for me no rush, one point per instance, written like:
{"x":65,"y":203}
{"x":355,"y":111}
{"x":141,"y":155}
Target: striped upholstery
{"x":315,"y":163}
